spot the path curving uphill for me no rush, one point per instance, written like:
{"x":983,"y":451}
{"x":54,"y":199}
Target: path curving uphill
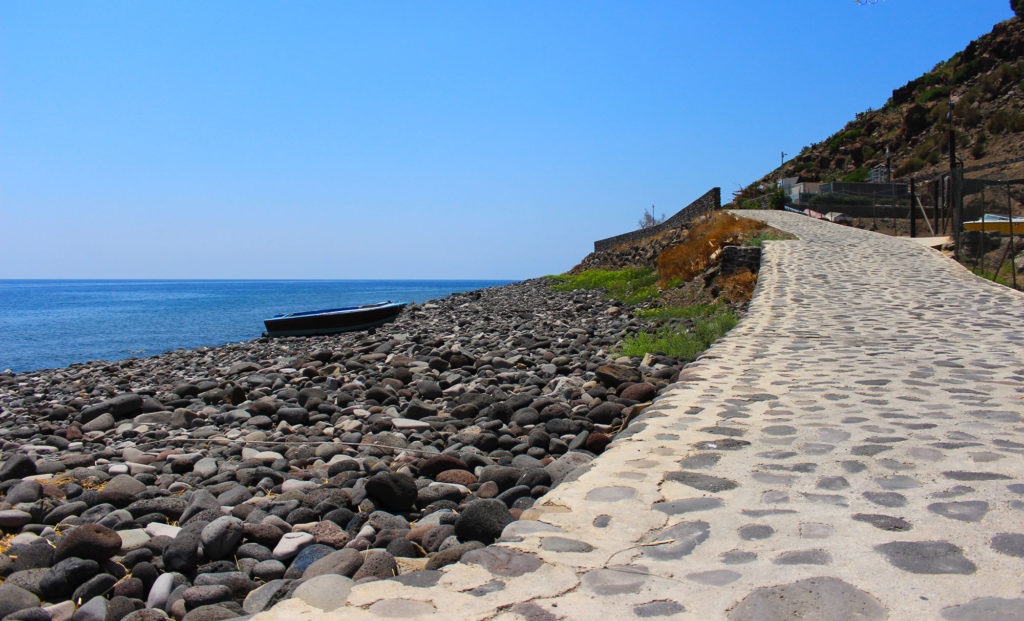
{"x":851,"y":450}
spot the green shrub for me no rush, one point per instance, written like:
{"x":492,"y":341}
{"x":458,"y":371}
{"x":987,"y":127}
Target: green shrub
{"x":966,"y":71}
{"x":1015,"y":122}
{"x":681,"y":343}
{"x":999,"y":122}
{"x":911,"y":166}
{"x":990,"y":83}
{"x":937,"y":92}
{"x":978,"y":151}
{"x":858,"y":176}
{"x":937,"y":113}
{"x":930,"y":145}
{"x":836,"y":141}
{"x":759,"y":240}
{"x":630,"y":286}
{"x":936,"y":76}
{"x":1006,"y":73}
{"x":680,"y":312}
{"x":971,"y":117}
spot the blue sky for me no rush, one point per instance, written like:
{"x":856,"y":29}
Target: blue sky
{"x":413,"y":139}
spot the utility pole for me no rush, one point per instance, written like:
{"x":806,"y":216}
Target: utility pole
{"x":782,"y":162}
{"x":954,"y":194}
{"x":952,"y":137}
{"x":1009,"y":213}
{"x":913,"y":200}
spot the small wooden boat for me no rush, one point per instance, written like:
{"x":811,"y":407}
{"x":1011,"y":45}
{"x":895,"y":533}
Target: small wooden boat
{"x":333,"y":320}
{"x":993,"y":223}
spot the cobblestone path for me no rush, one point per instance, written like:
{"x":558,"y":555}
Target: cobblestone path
{"x":853,"y":449}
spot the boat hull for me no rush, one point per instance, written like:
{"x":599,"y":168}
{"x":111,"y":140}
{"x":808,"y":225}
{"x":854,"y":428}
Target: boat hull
{"x":332,"y":321}
{"x":998,"y":226}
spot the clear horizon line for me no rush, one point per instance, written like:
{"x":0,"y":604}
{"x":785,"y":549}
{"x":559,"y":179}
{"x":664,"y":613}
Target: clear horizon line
{"x":227,"y":279}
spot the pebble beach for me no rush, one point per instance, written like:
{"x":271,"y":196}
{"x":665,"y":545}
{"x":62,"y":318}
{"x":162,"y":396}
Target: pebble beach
{"x":212,"y":483}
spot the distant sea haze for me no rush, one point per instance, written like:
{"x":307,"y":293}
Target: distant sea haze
{"x":54,"y":323}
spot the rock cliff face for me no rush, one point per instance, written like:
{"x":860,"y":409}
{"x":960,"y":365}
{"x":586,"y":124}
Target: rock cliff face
{"x":987,"y":82}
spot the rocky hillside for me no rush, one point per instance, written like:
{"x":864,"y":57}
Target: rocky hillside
{"x":987,"y":81}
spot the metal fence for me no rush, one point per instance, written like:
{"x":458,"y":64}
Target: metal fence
{"x":992,"y":210}
{"x":983,"y":216}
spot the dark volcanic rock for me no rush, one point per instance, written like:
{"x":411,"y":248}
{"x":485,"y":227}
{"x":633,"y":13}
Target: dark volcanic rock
{"x":98,"y":585}
{"x":639,"y":392}
{"x":170,"y":506}
{"x":89,"y":541}
{"x":14,"y":598}
{"x":119,"y":407}
{"x":221,"y":536}
{"x":504,"y":477}
{"x":121,"y":490}
{"x":17,"y":466}
{"x":452,"y":554}
{"x":604,"y":413}
{"x":353,"y":435}
{"x":67,"y":575}
{"x":482,"y":520}
{"x":612,"y":375}
{"x":437,"y":464}
{"x":182,"y":553}
{"x":378,"y":563}
{"x":396,"y":492}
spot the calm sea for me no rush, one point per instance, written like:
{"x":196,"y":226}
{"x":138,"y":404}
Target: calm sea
{"x":53,"y":323}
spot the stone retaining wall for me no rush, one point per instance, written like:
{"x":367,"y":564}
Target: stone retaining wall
{"x":737,"y":258}
{"x":710,"y":201}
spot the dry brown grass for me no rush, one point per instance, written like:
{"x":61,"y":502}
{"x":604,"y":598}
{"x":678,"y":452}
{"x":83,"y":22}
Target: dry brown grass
{"x":687,"y":294}
{"x":694,"y":255}
{"x":739,"y":287}
{"x":85,"y":483}
{"x":654,"y":237}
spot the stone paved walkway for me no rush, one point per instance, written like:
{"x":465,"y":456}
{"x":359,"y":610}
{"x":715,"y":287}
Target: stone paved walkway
{"x":853,"y":449}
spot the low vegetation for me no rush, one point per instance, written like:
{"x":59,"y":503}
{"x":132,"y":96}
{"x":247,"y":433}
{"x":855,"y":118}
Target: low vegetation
{"x":1004,"y":276}
{"x":686,"y":303}
{"x":663,"y":313}
{"x":701,"y":245}
{"x":705,"y":324}
{"x":629,"y":286}
{"x":737,"y":288}
{"x":858,"y":176}
{"x":759,"y":240}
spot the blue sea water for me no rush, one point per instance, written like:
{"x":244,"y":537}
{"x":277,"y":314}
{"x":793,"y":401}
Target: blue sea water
{"x":53,"y":323}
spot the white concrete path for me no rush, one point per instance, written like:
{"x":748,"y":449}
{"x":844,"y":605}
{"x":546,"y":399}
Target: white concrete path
{"x":853,"y":449}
